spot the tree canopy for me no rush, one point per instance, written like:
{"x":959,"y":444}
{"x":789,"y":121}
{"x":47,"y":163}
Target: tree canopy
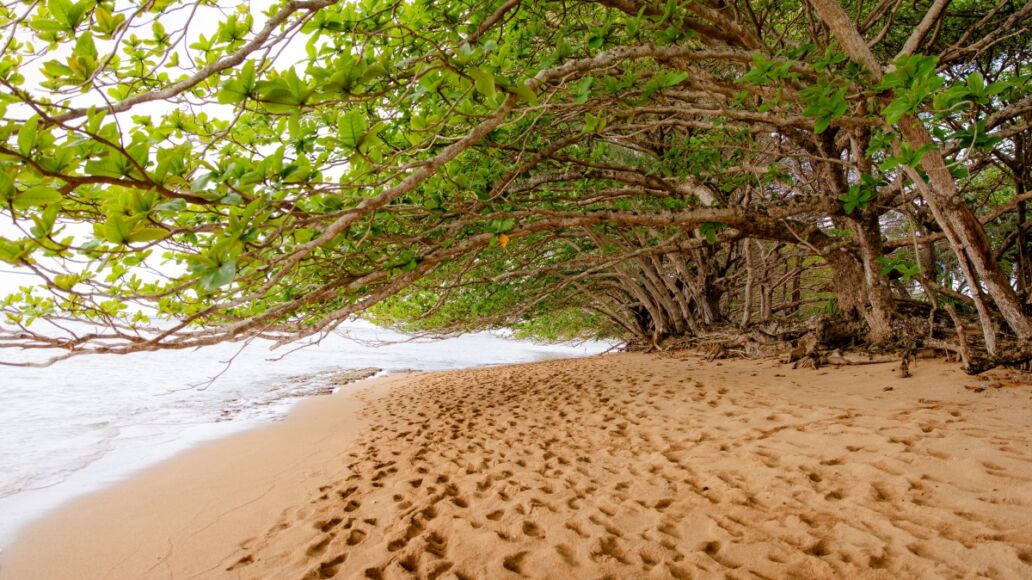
{"x":179,"y":173}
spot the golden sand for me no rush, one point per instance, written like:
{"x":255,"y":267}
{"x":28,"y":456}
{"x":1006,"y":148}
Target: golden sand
{"x":619,"y":466}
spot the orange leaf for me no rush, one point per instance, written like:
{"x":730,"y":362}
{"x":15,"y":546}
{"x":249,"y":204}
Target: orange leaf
{"x":503,"y":240}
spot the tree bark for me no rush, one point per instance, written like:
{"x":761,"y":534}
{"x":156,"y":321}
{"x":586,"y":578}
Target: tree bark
{"x":747,"y":298}
{"x":797,"y":281}
{"x":941,"y":194}
{"x":879,"y":309}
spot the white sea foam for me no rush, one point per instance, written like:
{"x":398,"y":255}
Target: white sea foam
{"x":90,"y":421}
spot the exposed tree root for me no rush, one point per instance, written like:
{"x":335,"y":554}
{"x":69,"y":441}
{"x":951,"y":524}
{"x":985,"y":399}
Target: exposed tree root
{"x":919,"y":330}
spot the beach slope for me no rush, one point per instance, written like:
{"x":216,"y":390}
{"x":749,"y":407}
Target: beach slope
{"x":618,"y":466}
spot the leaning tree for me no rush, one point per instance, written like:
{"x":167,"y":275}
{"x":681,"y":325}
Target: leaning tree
{"x":175,"y":174}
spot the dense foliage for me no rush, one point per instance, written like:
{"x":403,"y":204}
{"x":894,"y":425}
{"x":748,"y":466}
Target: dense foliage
{"x":622,"y":168}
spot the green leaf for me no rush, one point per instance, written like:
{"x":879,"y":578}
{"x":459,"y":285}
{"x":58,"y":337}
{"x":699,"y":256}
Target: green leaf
{"x":213,"y":278}
{"x":913,"y":79}
{"x":27,"y":136}
{"x":582,"y":90}
{"x":284,"y":93}
{"x":242,"y":87}
{"x":294,"y":125}
{"x":13,"y":252}
{"x":976,"y":83}
{"x":147,"y":235}
{"x":861,"y":195}
{"x":45,"y":221}
{"x":84,"y":46}
{"x":115,"y":229}
{"x":995,"y":88}
{"x":593,"y":124}
{"x":950,"y":97}
{"x":525,"y":92}
{"x":484,"y":82}
{"x":37,"y":196}
{"x":896,"y":110}
{"x":757,"y":75}
{"x":66,"y":281}
{"x":663,"y":79}
{"x":172,"y":205}
{"x":501,"y":226}
{"x":47,"y":25}
{"x":61,"y":9}
{"x":232,"y":198}
{"x":709,"y":231}
{"x":900,"y":264}
{"x":351,"y":128}
{"x":7,"y":190}
{"x":107,"y":22}
{"x":825,"y":101}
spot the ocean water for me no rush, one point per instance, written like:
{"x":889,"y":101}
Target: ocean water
{"x":91,"y":421}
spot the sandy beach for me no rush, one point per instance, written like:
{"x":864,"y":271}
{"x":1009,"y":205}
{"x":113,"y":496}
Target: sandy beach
{"x":617,"y":466}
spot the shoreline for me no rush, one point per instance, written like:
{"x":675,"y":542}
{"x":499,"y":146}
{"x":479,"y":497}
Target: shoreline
{"x":633,"y":465}
{"x":110,"y":468}
{"x":212,"y":473}
{"x":94,"y":420}
{"x":122,"y":462}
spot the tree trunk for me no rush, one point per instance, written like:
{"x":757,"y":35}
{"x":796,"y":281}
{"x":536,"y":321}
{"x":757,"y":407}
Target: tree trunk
{"x":853,"y":298}
{"x":797,"y":281}
{"x":879,"y":308}
{"x":747,"y":298}
{"x":1021,"y":261}
{"x":969,"y":238}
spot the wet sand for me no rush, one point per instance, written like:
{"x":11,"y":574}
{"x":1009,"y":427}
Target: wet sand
{"x":619,"y":466}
